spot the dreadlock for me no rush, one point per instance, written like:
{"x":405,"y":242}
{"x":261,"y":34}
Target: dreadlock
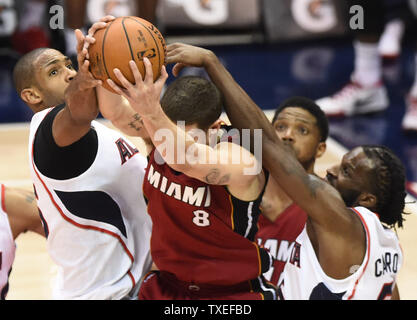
{"x":389,"y":182}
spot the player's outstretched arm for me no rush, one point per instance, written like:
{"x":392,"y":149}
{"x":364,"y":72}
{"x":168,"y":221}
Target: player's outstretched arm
{"x":184,"y":55}
{"x":22,"y":210}
{"x":321,"y":201}
{"x":74,"y":121}
{"x":113,"y":106}
{"x":218,"y":165}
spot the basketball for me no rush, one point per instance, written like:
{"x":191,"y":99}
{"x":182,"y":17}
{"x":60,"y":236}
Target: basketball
{"x":124,"y":39}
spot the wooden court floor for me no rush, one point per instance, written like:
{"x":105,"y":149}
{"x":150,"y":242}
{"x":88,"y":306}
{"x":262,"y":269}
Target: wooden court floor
{"x":33,"y":271}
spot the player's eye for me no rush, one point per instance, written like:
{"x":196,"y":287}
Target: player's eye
{"x":303,"y":130}
{"x":53,"y":72}
{"x":345,"y":171}
{"x":70,"y":66}
{"x":279,"y":127}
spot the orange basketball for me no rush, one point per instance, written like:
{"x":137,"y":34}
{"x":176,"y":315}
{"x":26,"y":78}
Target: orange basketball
{"x":125,"y":39}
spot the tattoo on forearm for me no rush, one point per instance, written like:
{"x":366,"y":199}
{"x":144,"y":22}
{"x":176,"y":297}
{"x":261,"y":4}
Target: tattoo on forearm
{"x":213,"y":176}
{"x":29,"y":196}
{"x":136,"y":123}
{"x":224,"y":179}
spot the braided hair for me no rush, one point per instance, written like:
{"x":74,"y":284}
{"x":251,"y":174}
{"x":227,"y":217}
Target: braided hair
{"x":389,"y":182}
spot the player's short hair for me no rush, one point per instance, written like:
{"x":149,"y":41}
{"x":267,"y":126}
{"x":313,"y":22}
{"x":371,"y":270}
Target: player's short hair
{"x":194,"y":100}
{"x":24,"y":70}
{"x":389,"y":180}
{"x":312,"y":108}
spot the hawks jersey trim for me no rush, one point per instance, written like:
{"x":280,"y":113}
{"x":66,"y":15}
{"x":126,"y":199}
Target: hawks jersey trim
{"x":81,"y":225}
{"x":368,"y":250}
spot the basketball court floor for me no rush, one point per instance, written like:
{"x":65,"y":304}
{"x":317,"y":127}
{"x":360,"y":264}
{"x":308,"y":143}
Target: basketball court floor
{"x":269,"y":73}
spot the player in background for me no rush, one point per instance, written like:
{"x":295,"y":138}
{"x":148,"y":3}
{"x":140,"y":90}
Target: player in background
{"x":303,"y":126}
{"x":18,"y":214}
{"x":347,"y":249}
{"x":87,"y":177}
{"x":204,"y":212}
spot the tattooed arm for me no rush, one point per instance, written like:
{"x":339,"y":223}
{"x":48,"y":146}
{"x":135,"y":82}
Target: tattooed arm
{"x":322,"y":202}
{"x":22,"y":210}
{"x":225,"y":164}
{"x":117,"y":109}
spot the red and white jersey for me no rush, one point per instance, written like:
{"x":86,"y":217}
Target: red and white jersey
{"x":303,"y":277}
{"x":98,"y":230}
{"x":279,"y":237}
{"x":7,"y":247}
{"x":201,"y":232}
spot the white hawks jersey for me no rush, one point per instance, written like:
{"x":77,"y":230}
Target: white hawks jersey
{"x":98,"y":229}
{"x":303,"y":277}
{"x":7,"y":246}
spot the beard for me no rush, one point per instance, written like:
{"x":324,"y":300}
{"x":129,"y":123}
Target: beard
{"x":350,"y":197}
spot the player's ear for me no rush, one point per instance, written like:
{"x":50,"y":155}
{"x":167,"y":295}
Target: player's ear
{"x":30,"y":96}
{"x":321,"y":149}
{"x":367,"y":200}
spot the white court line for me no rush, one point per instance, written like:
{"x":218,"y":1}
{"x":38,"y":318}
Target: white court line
{"x":14,"y":126}
{"x":17,"y":183}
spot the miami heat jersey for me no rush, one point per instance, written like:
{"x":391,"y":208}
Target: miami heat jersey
{"x":7,"y":246}
{"x":303,"y":277}
{"x":279,"y":237}
{"x":97,"y":227}
{"x":201,"y":233}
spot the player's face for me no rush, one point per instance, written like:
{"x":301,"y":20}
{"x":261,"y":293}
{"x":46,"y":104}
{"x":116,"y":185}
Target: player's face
{"x":54,"y":71}
{"x":351,"y":176}
{"x":297,"y":128}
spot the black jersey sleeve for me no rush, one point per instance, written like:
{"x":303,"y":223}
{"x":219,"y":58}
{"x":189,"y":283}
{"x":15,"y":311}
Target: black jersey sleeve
{"x":62,"y":163}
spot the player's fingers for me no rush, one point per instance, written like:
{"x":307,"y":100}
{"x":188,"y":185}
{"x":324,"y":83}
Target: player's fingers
{"x":173,"y":46}
{"x":136,"y":74}
{"x":84,"y":66}
{"x":177,"y":69}
{"x":148,"y":71}
{"x":89,"y":40}
{"x":96,"y":26}
{"x":107,"y":18}
{"x":161,"y":80}
{"x":80,"y":39}
{"x":174,"y":53}
{"x":119,"y":75}
{"x":116,"y":88}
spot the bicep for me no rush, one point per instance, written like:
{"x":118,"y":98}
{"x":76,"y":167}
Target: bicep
{"x":23,"y":211}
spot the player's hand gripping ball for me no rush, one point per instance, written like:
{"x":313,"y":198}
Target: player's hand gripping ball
{"x":125,"y":39}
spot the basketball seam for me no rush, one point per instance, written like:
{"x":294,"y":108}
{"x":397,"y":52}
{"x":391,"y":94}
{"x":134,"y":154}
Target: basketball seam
{"x":102,"y":48}
{"x":127,"y":38}
{"x":156,"y":44}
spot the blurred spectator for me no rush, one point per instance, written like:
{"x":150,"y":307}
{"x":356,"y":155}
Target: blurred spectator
{"x":366,"y":92}
{"x":31,"y":32}
{"x":75,"y":17}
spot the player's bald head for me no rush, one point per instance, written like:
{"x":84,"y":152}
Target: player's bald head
{"x":24,"y":72}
